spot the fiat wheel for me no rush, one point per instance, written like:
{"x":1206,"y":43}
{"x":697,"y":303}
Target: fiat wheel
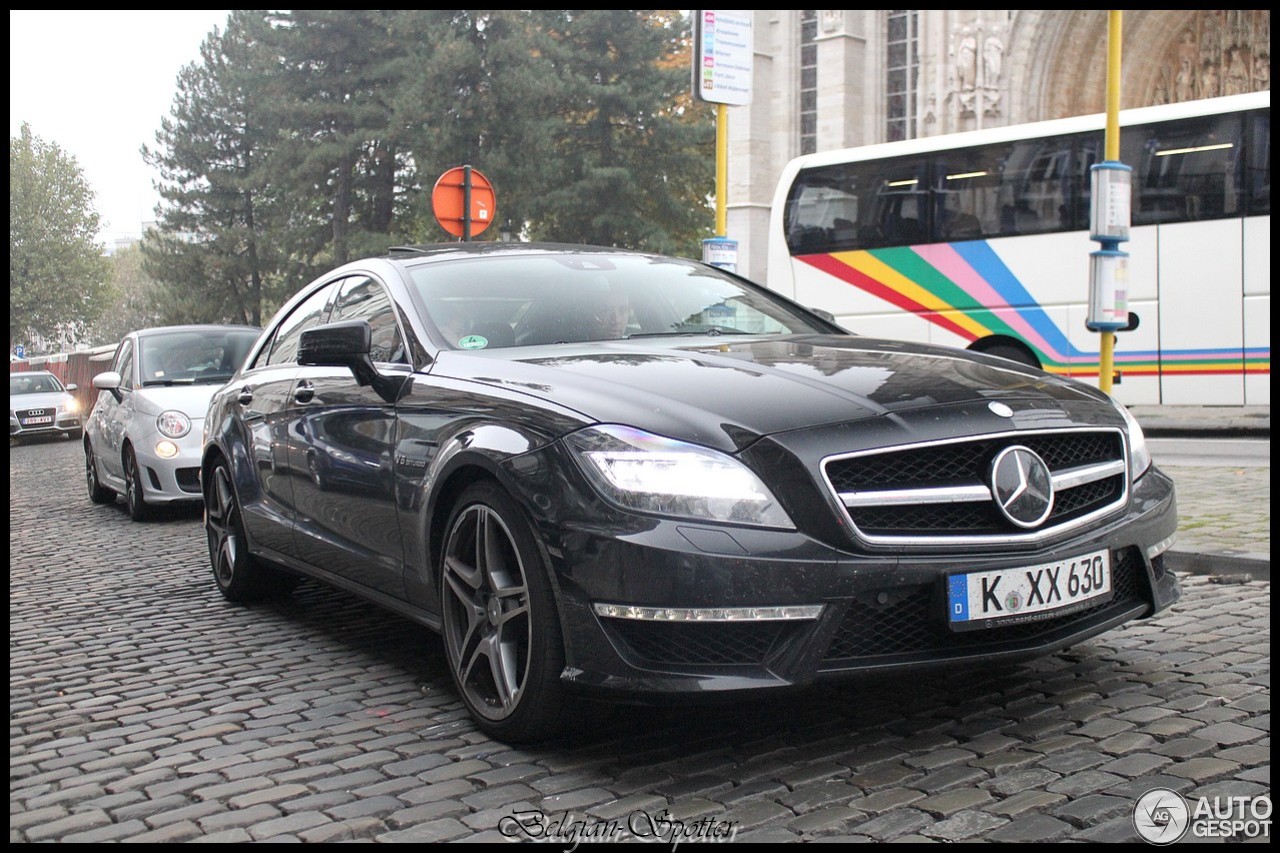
{"x":98,"y":493}
{"x":133,"y":495}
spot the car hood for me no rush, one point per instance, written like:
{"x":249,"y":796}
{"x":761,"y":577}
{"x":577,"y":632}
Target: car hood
{"x":728,"y":393}
{"x":191,"y":400}
{"x":45,"y":400}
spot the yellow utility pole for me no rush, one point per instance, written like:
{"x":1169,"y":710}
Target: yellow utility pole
{"x":722,"y":170}
{"x":1106,"y":351}
{"x":1110,"y":200}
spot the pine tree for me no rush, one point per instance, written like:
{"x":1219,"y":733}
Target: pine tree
{"x":340,"y":155}
{"x":219,"y":250}
{"x":633,"y":155}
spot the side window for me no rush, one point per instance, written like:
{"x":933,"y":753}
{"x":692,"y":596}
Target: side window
{"x":124,"y":366}
{"x":364,"y":298}
{"x":311,"y":312}
{"x":1037,"y":185}
{"x":966,"y":192}
{"x":1258,"y":166}
{"x":261,"y":359}
{"x":864,"y":205}
{"x":1185,"y":171}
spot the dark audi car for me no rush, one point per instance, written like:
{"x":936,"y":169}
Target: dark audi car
{"x":612,"y":473}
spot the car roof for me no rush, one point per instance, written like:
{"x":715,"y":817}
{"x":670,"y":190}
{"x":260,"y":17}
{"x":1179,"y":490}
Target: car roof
{"x":437,"y":250}
{"x":191,"y":327}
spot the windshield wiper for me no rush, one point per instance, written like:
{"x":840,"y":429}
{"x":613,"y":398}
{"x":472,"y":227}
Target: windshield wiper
{"x":714,"y":331}
{"x":150,"y":382}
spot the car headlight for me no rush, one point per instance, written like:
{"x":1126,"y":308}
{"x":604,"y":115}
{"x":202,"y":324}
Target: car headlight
{"x":650,"y":473}
{"x":173,"y":423}
{"x":71,"y":406}
{"x":1139,"y":454}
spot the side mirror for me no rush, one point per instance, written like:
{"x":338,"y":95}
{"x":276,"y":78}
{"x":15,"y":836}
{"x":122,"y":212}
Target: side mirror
{"x":830,"y":318}
{"x":347,"y":343}
{"x":109,"y":381}
{"x":343,"y":344}
{"x":72,"y":387}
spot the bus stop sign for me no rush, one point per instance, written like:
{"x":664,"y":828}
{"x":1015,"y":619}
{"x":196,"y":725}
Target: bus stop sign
{"x":463,"y":202}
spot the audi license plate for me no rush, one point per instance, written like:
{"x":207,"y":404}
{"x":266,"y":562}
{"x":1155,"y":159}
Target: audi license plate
{"x":46,"y":419}
{"x":1028,"y":594}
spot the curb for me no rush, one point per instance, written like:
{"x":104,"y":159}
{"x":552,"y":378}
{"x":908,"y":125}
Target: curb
{"x":1203,"y":431}
{"x":1243,"y":569}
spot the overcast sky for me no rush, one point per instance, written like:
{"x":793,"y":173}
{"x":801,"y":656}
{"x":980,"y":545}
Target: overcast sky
{"x":98,"y":84}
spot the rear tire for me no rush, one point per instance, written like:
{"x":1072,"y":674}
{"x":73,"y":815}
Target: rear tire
{"x":500,"y":622}
{"x":98,"y":493}
{"x":240,"y":576}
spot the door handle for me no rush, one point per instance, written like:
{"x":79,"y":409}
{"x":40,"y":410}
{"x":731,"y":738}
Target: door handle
{"x":246,"y":396}
{"x":305,"y":392}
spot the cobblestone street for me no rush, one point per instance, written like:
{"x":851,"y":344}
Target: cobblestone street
{"x":143,"y":707}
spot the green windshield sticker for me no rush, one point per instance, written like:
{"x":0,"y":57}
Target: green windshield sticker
{"x":473,"y":342}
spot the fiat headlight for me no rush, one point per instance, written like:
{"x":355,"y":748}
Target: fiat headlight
{"x":1139,"y":454}
{"x":173,"y":423}
{"x":650,"y":473}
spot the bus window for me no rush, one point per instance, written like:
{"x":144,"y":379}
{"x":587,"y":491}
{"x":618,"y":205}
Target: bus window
{"x":857,"y":206}
{"x":1038,"y":187}
{"x":1258,"y":165}
{"x":967,"y":192}
{"x":822,"y":214}
{"x":900,"y":214}
{"x":1185,"y":171}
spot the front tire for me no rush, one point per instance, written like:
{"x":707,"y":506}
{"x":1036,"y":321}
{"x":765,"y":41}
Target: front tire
{"x":240,"y":576}
{"x":134,"y":497}
{"x":500,"y":622}
{"x":98,"y":493}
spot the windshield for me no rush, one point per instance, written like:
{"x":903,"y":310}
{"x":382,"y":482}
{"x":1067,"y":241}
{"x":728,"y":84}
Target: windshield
{"x":33,"y":383}
{"x":193,"y":356}
{"x":527,"y":300}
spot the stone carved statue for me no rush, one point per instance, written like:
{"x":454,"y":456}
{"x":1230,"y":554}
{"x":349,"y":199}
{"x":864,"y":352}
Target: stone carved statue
{"x":967,"y":62}
{"x":992,"y":55}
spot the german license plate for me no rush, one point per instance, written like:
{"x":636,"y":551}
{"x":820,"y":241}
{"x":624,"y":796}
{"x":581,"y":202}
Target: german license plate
{"x":46,"y":419}
{"x":1029,"y":593}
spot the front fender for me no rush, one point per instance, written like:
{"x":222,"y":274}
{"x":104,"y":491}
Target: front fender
{"x":430,"y":474}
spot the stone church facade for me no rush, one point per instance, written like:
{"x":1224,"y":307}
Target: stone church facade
{"x":832,"y":78}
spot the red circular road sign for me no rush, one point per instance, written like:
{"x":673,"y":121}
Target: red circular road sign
{"x":448,"y":201}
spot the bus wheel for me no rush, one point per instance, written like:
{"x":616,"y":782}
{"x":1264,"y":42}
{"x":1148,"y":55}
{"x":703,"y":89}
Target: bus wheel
{"x":1013,"y":352}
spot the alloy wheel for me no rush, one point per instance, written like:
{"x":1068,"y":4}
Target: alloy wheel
{"x":488,"y":630}
{"x":222,"y":525}
{"x":98,"y":493}
{"x":133,"y":487}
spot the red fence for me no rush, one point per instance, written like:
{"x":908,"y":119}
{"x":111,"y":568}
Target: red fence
{"x":76,"y":368}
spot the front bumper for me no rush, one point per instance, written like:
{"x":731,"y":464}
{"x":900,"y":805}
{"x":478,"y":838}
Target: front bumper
{"x":175,"y":478}
{"x":64,"y":424}
{"x":875,"y":613}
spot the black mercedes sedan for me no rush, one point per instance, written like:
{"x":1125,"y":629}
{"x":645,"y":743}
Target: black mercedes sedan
{"x":613,"y":474}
